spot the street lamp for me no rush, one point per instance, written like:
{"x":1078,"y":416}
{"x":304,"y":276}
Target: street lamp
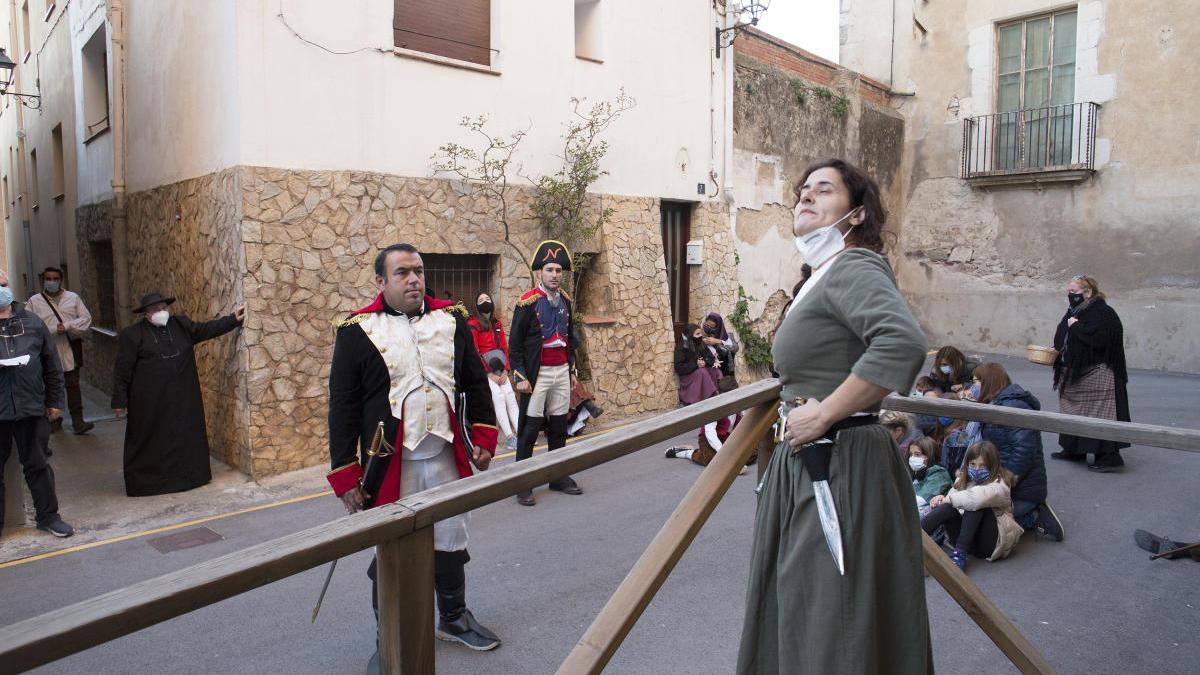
{"x":31,"y":101}
{"x":753,"y":10}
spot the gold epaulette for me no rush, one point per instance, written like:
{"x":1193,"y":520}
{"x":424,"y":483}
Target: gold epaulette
{"x":564,"y":294}
{"x":528,"y":299}
{"x":459,"y":309}
{"x":350,"y":321}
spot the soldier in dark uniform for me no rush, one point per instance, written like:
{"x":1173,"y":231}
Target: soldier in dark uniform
{"x":403,"y":360}
{"x":541,"y":351}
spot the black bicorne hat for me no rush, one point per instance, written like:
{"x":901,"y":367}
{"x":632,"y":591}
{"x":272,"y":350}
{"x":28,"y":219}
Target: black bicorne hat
{"x":551,"y":251}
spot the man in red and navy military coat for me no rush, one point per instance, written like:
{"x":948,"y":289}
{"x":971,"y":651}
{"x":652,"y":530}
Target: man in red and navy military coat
{"x":405,"y":359}
{"x":541,"y":351}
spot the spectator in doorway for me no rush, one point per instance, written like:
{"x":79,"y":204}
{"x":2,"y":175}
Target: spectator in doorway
{"x":695,"y":366}
{"x":155,"y":381}
{"x":1090,"y":373}
{"x":493,"y":351}
{"x":951,"y":369}
{"x":31,"y":394}
{"x":1020,"y":450}
{"x":69,"y":321}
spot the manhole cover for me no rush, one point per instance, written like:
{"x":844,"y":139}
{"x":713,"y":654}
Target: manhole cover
{"x":197,"y":536}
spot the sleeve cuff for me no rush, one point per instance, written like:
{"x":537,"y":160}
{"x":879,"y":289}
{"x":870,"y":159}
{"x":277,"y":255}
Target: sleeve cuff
{"x":484,"y":436}
{"x":344,"y":478}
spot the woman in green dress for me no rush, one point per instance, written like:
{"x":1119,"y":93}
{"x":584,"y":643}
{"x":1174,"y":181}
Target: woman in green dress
{"x":848,"y":339}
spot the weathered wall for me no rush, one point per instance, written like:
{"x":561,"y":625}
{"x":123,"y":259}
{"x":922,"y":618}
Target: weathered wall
{"x":93,"y":223}
{"x":776,"y":135}
{"x":986,"y":269}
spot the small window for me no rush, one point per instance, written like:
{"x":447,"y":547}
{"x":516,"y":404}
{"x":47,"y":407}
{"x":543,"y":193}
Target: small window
{"x":28,"y":43}
{"x":60,"y":171}
{"x":102,"y":258}
{"x":460,"y":277}
{"x":588,"y":36}
{"x":455,"y":29}
{"x":95,"y":84}
{"x":33,"y":180}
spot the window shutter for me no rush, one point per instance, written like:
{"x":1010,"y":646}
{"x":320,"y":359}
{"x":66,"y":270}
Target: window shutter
{"x":455,"y":29}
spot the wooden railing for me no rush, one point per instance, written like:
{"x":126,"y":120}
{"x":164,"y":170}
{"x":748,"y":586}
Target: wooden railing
{"x":403,"y":536}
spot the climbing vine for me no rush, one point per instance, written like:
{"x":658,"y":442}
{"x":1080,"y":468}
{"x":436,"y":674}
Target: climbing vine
{"x":755,"y":347}
{"x":839,"y":106}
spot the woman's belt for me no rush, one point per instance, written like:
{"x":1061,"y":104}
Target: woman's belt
{"x":855,"y":420}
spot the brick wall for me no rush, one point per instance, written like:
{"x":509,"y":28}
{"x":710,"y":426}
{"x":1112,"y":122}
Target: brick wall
{"x":770,"y":50}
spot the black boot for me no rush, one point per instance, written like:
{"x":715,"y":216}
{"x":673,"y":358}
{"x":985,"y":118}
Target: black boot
{"x":527,"y":433}
{"x":556,"y":437}
{"x":455,"y":621}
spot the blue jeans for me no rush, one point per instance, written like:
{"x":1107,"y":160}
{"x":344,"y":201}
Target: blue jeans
{"x":1025,"y":513}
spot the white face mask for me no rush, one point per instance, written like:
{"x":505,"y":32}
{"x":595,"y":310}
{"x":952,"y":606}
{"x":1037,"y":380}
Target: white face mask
{"x":160,"y":317}
{"x":917,"y":463}
{"x":821,"y":244}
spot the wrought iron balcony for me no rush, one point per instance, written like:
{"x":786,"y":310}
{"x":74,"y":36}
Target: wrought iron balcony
{"x":1038,"y":145}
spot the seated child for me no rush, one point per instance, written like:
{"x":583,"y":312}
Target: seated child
{"x":930,"y":479}
{"x":977,"y":512}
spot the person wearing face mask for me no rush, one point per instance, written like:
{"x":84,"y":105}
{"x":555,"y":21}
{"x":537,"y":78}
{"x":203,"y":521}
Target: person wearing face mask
{"x":31,"y":395}
{"x":977,"y":511}
{"x":1090,"y":373}
{"x":156,"y":383}
{"x":694,"y":364}
{"x":724,"y":347}
{"x":930,"y":479}
{"x":952,"y":370}
{"x":816,"y":601}
{"x":493,"y":350}
{"x":69,"y":321}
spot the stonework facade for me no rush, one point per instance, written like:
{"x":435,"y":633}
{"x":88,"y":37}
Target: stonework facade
{"x":298,"y":247}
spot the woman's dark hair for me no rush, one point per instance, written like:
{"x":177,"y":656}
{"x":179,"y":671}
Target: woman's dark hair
{"x":863,"y":192}
{"x":950,"y":356}
{"x":688,"y":334}
{"x":928,"y":447}
{"x":992,"y":380}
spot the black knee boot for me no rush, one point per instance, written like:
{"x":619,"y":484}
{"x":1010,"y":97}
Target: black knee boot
{"x":556,"y":437}
{"x":455,"y":621}
{"x":527,"y":433}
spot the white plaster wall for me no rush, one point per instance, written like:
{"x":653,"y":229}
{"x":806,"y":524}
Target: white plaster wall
{"x":94,"y":163}
{"x":372,"y":110}
{"x":182,"y":89}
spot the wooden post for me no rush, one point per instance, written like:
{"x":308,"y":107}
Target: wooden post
{"x":405,"y":586}
{"x":983,"y":611}
{"x":625,"y":607}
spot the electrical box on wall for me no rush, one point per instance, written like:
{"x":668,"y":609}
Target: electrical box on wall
{"x":695,"y":252}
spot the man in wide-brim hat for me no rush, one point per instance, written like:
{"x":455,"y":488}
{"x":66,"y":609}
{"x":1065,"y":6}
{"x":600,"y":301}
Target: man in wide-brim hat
{"x":156,"y":383}
{"x":541,"y":350}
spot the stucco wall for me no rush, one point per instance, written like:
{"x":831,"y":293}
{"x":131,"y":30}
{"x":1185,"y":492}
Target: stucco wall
{"x":986,"y":268}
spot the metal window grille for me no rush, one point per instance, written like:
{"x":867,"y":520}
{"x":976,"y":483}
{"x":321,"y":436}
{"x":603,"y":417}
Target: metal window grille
{"x":460,"y":277}
{"x":1054,"y":138}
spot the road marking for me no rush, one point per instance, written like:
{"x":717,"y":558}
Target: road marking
{"x":209,"y":519}
{"x":159,"y":530}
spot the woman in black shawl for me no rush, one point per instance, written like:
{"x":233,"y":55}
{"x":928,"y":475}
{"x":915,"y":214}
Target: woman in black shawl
{"x":695,"y":366}
{"x":1089,"y":372}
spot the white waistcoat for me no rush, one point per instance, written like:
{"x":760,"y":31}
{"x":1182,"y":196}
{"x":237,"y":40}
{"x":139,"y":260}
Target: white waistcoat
{"x":420,"y":360}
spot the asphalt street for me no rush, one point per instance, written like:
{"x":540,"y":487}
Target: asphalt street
{"x":1092,"y":604}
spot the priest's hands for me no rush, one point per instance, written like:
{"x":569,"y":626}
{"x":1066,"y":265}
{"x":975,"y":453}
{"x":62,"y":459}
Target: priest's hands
{"x":352,"y":499}
{"x":239,"y":312}
{"x":53,"y":414}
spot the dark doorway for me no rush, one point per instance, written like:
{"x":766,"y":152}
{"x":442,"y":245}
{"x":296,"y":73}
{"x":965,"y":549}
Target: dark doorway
{"x":676,"y":230}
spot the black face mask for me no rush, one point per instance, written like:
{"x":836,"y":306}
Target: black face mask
{"x":1074,"y":299}
{"x":710,"y":330}
{"x":485,"y":307}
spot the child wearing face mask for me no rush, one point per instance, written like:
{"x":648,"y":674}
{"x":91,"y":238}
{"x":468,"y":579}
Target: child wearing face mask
{"x":977,"y":511}
{"x":930,"y":479}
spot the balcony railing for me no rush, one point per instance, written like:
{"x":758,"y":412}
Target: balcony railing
{"x":1056,"y":143}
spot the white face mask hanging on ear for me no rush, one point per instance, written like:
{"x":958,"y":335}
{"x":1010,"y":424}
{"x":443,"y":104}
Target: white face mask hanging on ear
{"x":818,"y":246}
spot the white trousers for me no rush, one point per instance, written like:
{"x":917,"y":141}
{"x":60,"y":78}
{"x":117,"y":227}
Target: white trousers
{"x":504,"y":400}
{"x":552,"y":392}
{"x":417,"y":475}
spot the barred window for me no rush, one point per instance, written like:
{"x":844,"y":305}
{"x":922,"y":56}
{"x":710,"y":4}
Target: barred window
{"x":460,"y":277}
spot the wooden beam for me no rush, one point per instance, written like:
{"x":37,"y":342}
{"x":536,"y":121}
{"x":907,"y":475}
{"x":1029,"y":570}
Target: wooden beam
{"x":405,"y":585}
{"x":625,"y":607}
{"x":983,"y":611}
{"x":1075,"y":425}
{"x":62,"y":632}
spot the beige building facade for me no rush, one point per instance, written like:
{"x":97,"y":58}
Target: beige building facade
{"x":1043,"y":140}
{"x":271,"y":149}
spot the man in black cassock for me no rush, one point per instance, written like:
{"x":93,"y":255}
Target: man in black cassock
{"x":155,"y":381}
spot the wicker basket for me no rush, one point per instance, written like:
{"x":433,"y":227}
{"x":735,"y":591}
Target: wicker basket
{"x":1042,"y":355}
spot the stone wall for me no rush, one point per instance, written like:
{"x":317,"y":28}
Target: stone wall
{"x":93,"y":224}
{"x":185,"y":241}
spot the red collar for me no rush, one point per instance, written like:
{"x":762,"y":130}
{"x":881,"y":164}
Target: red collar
{"x":376,"y":305}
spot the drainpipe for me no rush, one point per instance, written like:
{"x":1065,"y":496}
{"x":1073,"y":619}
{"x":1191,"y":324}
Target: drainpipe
{"x":120,"y":239}
{"x":22,"y":163}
